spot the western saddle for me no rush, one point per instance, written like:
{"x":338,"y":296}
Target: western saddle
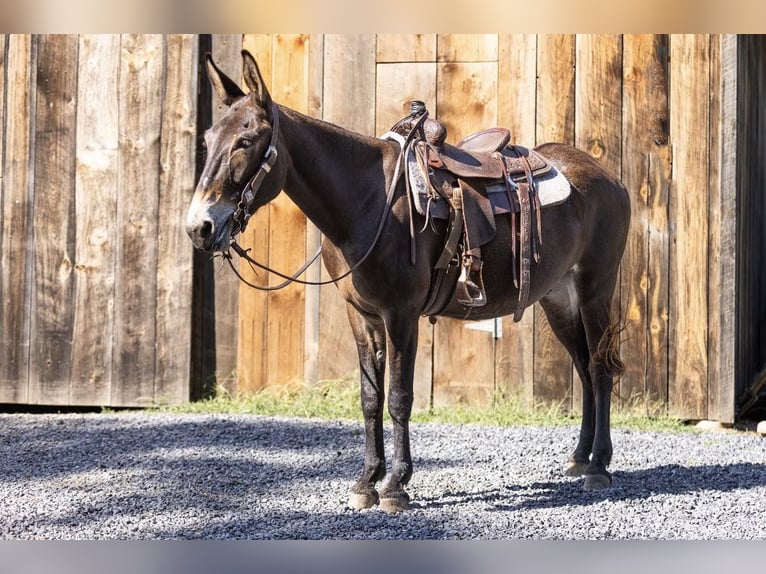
{"x":460,"y":175}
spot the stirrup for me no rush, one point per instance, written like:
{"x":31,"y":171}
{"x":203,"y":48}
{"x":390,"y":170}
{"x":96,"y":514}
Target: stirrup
{"x":470,"y":284}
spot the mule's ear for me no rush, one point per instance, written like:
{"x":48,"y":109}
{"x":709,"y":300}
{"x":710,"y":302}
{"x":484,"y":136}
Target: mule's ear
{"x":254,"y":79}
{"x":226,"y":88}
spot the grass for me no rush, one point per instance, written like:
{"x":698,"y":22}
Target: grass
{"x":340,"y":400}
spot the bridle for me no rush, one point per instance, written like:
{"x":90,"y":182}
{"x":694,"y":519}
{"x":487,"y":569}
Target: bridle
{"x":243,"y":212}
{"x":244,"y":209}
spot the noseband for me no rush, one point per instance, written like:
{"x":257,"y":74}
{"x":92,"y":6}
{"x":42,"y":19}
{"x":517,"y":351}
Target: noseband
{"x":244,"y":208}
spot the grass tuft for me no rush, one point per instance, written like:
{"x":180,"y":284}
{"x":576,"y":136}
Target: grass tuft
{"x":339,"y":400}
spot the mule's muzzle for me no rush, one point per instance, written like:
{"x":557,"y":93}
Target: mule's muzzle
{"x":208,"y":235}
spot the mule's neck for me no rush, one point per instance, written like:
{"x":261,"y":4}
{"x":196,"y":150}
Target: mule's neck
{"x":337,"y":178}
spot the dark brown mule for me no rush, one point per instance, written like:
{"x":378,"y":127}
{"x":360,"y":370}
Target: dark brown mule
{"x":340,"y":180}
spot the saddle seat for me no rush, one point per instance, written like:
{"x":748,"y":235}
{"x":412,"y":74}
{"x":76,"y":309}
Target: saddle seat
{"x":479,"y":155}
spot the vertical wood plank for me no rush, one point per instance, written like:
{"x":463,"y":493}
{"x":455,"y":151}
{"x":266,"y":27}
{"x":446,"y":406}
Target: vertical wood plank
{"x":598,"y":88}
{"x":555,"y":123}
{"x":287,"y":226}
{"x":141,"y":78}
{"x":350,"y":81}
{"x":463,"y":369}
{"x":216,"y":288}
{"x":466,"y":97}
{"x":397,"y":84}
{"x":97,"y":142}
{"x":467,"y":47}
{"x":463,"y":366}
{"x":715,"y":280}
{"x":598,"y":123}
{"x":349,"y":101}
{"x":689,"y":131}
{"x":401,"y":48}
{"x":226,"y":52}
{"x":7,"y":387}
{"x":313,"y":236}
{"x":722,"y":374}
{"x":176,"y":186}
{"x":555,"y":88}
{"x":646,"y":174}
{"x":52,"y":313}
{"x":15,"y":233}
{"x":252,"y":342}
{"x":517,"y":103}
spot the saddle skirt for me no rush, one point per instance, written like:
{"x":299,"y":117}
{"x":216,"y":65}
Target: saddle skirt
{"x":551,"y":185}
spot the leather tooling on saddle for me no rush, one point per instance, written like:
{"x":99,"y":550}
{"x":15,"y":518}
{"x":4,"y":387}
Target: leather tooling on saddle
{"x":468,"y":185}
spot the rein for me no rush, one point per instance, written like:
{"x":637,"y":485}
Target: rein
{"x":242,"y":214}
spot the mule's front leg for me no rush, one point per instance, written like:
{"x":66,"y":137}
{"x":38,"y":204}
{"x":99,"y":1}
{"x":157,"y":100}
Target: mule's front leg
{"x":370,"y":336}
{"x":402,"y":347}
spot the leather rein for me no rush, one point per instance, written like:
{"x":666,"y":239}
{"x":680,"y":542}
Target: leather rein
{"x":244,"y":212}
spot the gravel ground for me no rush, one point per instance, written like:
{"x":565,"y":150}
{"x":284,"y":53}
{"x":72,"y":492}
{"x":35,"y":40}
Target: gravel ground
{"x":156,"y":476}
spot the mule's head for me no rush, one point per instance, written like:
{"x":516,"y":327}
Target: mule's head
{"x":240,"y":155}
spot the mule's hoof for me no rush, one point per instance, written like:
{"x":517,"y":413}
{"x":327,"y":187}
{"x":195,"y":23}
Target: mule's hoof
{"x":597,"y":481}
{"x":362,"y":500}
{"x":395,"y":502}
{"x":575,"y":468}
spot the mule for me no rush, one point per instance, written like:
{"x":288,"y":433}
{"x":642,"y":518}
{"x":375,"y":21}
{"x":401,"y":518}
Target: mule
{"x":347,"y":184}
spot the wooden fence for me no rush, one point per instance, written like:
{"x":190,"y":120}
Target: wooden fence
{"x":98,"y":154}
{"x":103,"y":302}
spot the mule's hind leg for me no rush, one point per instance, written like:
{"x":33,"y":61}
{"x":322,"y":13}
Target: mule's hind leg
{"x":562,"y":309}
{"x":595,"y":291}
{"x":370,"y":336}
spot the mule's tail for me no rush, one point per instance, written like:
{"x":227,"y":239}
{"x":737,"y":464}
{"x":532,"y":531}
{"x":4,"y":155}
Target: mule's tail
{"x":609,"y":350}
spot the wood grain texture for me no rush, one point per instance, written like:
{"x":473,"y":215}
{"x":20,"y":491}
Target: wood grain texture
{"x":15,"y":233}
{"x":96,"y":193}
{"x":466,"y":97}
{"x":646,"y":174}
{"x":403,"y":48}
{"x":516,"y":109}
{"x":555,"y":122}
{"x":715,"y":229}
{"x":689,"y":132}
{"x":52,"y":311}
{"x":466,"y":47}
{"x":722,"y":373}
{"x":463,"y":364}
{"x":397,"y":85}
{"x":141,"y":77}
{"x":349,"y":81}
{"x":176,"y":186}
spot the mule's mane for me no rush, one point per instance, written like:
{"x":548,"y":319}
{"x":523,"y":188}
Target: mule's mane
{"x":360,"y":145}
{"x":336,"y":173}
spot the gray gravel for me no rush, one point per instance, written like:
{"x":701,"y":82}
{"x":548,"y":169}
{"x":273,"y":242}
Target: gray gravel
{"x":153,"y":476}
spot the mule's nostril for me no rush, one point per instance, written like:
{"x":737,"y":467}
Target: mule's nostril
{"x":206,"y":231}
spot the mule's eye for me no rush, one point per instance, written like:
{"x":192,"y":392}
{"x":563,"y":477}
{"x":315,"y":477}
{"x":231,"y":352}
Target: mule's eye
{"x":244,"y":143}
